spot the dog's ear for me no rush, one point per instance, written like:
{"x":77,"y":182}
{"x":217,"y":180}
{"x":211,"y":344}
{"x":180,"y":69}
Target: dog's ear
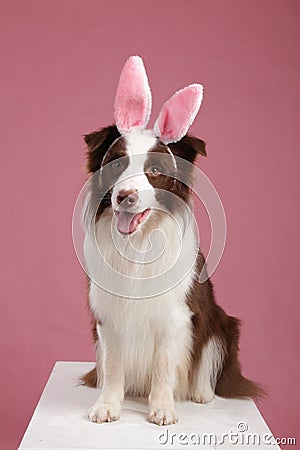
{"x":98,"y":142}
{"x":189,"y":147}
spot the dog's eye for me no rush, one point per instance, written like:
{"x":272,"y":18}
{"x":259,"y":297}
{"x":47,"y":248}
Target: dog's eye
{"x":116,"y":165}
{"x":154,"y":170}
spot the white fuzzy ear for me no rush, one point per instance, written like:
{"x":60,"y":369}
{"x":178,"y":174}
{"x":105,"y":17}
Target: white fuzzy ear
{"x":133,"y":98}
{"x":178,"y":113}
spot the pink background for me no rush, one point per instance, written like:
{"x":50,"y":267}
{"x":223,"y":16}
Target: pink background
{"x":59,"y":71}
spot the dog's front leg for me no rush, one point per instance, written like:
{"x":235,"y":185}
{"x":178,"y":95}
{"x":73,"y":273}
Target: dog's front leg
{"x":108,"y":406}
{"x":161,"y":399}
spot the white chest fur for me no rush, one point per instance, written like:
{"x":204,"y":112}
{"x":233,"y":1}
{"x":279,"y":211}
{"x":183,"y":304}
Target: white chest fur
{"x":136,"y":320}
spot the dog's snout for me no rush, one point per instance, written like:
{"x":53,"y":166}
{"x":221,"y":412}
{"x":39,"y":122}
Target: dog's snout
{"x":127,"y":197}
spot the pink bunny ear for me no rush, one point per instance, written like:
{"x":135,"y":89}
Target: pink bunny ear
{"x":178,"y":113}
{"x":133,"y":98}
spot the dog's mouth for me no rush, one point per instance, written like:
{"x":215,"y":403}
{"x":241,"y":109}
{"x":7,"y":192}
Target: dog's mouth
{"x":128,"y":222}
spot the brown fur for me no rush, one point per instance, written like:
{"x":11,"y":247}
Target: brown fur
{"x":211,"y":320}
{"x":89,"y":379}
{"x":98,"y":143}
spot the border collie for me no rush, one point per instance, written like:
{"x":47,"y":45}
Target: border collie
{"x":157,"y":329}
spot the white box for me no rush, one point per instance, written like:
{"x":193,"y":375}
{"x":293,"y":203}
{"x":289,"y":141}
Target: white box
{"x":60,"y":421}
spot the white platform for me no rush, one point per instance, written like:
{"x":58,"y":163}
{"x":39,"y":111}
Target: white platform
{"x":60,"y":421}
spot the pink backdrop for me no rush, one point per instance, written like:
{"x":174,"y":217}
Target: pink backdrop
{"x":59,"y":70}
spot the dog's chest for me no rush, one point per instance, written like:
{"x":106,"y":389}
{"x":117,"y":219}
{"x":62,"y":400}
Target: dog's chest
{"x":138,"y":322}
{"x":143,"y":265}
{"x":138,"y":326}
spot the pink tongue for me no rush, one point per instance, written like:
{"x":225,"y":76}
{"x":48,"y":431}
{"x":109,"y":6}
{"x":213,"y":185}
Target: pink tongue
{"x":127,"y":222}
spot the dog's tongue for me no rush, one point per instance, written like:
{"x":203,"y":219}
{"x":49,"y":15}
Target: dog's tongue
{"x":127,"y":222}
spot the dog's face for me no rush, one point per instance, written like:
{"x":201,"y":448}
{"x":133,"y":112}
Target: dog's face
{"x":137,"y":175}
{"x":144,"y":168}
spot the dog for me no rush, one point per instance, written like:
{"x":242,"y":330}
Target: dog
{"x":158,"y":330}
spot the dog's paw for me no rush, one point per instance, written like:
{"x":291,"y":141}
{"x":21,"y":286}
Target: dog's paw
{"x":203,"y":396}
{"x":163,"y":416}
{"x":105,"y":412}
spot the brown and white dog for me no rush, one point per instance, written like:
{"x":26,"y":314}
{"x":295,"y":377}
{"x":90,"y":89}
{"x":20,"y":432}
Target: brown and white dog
{"x":157,"y":329}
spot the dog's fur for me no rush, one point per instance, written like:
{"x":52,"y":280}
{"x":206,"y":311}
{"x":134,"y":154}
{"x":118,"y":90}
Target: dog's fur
{"x":176,"y":345}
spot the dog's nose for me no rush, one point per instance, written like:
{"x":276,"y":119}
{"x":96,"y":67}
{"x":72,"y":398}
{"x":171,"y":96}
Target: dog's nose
{"x":127,"y":197}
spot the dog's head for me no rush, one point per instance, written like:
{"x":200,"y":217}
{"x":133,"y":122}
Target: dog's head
{"x":136,"y":171}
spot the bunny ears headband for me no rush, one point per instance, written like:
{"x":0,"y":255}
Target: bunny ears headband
{"x":133,"y":104}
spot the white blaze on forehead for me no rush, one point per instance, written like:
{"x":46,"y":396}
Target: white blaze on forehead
{"x":138,"y":142}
